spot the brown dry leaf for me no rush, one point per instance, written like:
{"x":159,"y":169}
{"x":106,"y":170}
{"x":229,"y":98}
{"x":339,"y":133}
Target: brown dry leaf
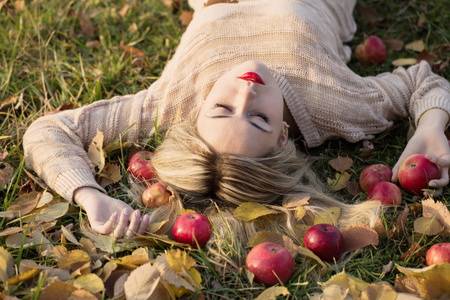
{"x":168,"y":3}
{"x":431,"y":282}
{"x":24,"y":204}
{"x":429,"y":57}
{"x":109,"y":175}
{"x":298,"y":200}
{"x":440,"y":66}
{"x":436,"y":210}
{"x":186,"y":17}
{"x":53,"y":212}
{"x":413,"y":252}
{"x":353,"y":188}
{"x":86,"y":25}
{"x":387,"y":268}
{"x":133,"y":28}
{"x":123,"y":11}
{"x":369,"y":15}
{"x":394,"y":44}
{"x":154,"y":227}
{"x":340,"y":182}
{"x":249,"y":211}
{"x":328,"y":216}
{"x":82,"y":295}
{"x":273,"y":237}
{"x":379,"y":290}
{"x":401,"y":62}
{"x":19,"y":5}
{"x":83,"y":270}
{"x":15,"y":241}
{"x":96,"y":153}
{"x":10,"y":231}
{"x":68,"y":234}
{"x":93,"y":44}
{"x":73,"y":260}
{"x":144,"y":283}
{"x":6,"y":265}
{"x":212,"y":2}
{"x":8,"y":103}
{"x":401,"y":223}
{"x":341,"y":164}
{"x":89,"y":282}
{"x":56,"y":290}
{"x":119,"y":288}
{"x":273,"y":292}
{"x":6,"y":173}
{"x":137,"y":56}
{"x":44,"y":246}
{"x":357,"y":236}
{"x":427,"y":226}
{"x":3,"y":155}
{"x":416,"y":46}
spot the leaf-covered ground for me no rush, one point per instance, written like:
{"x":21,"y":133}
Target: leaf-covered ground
{"x":58,"y":55}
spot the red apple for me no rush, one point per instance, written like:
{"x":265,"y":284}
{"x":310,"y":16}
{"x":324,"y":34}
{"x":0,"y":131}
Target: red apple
{"x":372,"y":51}
{"x":438,"y":253}
{"x":156,"y":195}
{"x":189,"y":225}
{"x":373,"y":174}
{"x":267,"y":258}
{"x":141,"y":167}
{"x":415,"y":172}
{"x":325,"y":240}
{"x":386,"y":192}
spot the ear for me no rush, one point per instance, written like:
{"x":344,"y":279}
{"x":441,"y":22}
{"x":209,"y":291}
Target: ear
{"x":285,"y":134}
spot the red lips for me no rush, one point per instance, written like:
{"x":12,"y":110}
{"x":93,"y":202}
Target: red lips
{"x":253,"y":77}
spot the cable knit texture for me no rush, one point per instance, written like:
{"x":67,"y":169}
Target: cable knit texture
{"x":301,"y":41}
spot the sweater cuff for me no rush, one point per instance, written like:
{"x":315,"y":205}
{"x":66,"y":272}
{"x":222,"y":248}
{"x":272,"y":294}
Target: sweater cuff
{"x":424,"y":105}
{"x":68,"y":181}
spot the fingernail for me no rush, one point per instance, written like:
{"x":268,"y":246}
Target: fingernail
{"x":114,"y":215}
{"x":137,"y":213}
{"x":427,"y":156}
{"x":126,"y":212}
{"x":145,"y":219}
{"x":433,"y":184}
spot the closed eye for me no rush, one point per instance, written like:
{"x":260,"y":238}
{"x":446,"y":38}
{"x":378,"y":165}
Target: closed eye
{"x":227,"y":107}
{"x":263,"y":116}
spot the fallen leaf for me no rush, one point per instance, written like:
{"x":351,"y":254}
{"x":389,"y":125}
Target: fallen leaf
{"x":139,"y":257}
{"x":186,"y":17}
{"x":387,"y":268}
{"x":119,"y":289}
{"x":10,"y":230}
{"x":6,"y":173}
{"x":69,"y":235}
{"x":89,"y":282}
{"x":298,"y":200}
{"x":341,"y":164}
{"x":73,"y":260}
{"x":23,"y":277}
{"x":427,"y":226}
{"x":8,"y":103}
{"x":340,"y":182}
{"x":429,"y":57}
{"x":96,"y":153}
{"x":93,"y":44}
{"x":368,"y":14}
{"x":105,"y":243}
{"x":44,"y":199}
{"x":123,"y":11}
{"x":357,"y":236}
{"x":109,"y":175}
{"x":416,"y":46}
{"x":401,"y":223}
{"x":6,"y":265}
{"x":413,"y":252}
{"x":401,"y":62}
{"x":137,"y":55}
{"x":306,"y":252}
{"x":81,"y":295}
{"x":379,"y":290}
{"x":300,"y":213}
{"x":394,"y":44}
{"x":354,"y":285}
{"x":53,"y":212}
{"x":431,"y":282}
{"x":249,"y":211}
{"x":56,"y":290}
{"x":86,"y":25}
{"x":273,"y":292}
{"x":436,"y":210}
{"x":144,"y":283}
{"x":43,"y":245}
{"x":24,"y":204}
{"x":273,"y":237}
{"x":440,"y":66}
{"x":353,"y":188}
{"x":15,"y":241}
{"x":328,"y":216}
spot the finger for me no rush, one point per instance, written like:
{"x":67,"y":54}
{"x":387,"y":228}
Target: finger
{"x":122,"y":225}
{"x":108,"y":226}
{"x":143,"y":227}
{"x":134,"y":224}
{"x":441,"y":162}
{"x":441,"y":182}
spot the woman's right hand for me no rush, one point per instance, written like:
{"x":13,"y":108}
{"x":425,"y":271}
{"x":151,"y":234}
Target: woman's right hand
{"x":110,"y":216}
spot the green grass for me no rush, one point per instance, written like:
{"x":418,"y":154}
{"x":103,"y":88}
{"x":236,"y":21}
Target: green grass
{"x":45,"y":63}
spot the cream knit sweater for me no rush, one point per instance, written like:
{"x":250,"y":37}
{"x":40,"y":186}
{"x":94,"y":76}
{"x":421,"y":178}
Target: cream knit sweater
{"x":301,"y":41}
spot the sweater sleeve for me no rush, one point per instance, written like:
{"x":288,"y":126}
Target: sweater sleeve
{"x":55,"y":146}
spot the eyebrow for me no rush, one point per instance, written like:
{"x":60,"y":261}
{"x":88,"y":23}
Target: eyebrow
{"x":253,"y":124}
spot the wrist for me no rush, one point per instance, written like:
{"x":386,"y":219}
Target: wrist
{"x":435,"y":118}
{"x":82,"y":193}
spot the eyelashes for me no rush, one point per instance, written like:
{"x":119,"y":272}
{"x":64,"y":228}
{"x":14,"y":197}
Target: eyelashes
{"x":229,"y":108}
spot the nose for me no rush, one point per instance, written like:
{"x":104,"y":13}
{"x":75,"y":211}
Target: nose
{"x":246,"y":96}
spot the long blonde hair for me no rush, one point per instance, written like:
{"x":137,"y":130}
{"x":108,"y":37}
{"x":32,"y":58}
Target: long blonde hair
{"x":215,"y":183}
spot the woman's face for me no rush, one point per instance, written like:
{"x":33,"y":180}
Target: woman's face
{"x":243,"y":113}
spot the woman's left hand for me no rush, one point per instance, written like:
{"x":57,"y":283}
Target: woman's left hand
{"x":429,"y":139}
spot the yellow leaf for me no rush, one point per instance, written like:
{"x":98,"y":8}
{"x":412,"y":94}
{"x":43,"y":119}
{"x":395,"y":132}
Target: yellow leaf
{"x":186,"y":211}
{"x":340,"y":182}
{"x":416,"y":46}
{"x":136,"y":259}
{"x":23,"y":277}
{"x":427,"y":226}
{"x":310,"y":254}
{"x":73,"y":259}
{"x":96,"y":153}
{"x":24,"y":204}
{"x":6,"y":265}
{"x":300,"y":213}
{"x":89,"y":282}
{"x":109,"y":175}
{"x":273,"y":292}
{"x":354,"y":285}
{"x":328,"y":216}
{"x":179,"y":260}
{"x":401,"y":62}
{"x":249,"y":211}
